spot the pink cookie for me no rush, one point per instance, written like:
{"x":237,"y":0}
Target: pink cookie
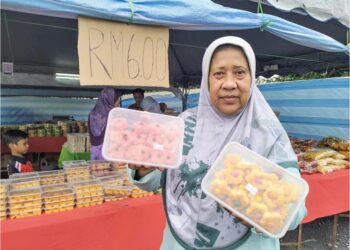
{"x":139,"y":152}
{"x":157,"y":157}
{"x":116,"y":152}
{"x":154,"y":140}
{"x":169,"y":158}
{"x":119,"y":123}
{"x":121,"y":138}
{"x":138,"y":138}
{"x":156,"y":129}
{"x":171,"y":144}
{"x":172,"y":132}
{"x":141,"y":127}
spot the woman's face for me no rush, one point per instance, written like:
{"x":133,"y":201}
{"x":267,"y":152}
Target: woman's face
{"x":229,"y":81}
{"x":117,"y":103}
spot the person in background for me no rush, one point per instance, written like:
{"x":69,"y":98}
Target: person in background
{"x":138,"y":97}
{"x":17,"y":141}
{"x":163,"y":107}
{"x":230,"y":109}
{"x":150,"y":105}
{"x":98,"y":116}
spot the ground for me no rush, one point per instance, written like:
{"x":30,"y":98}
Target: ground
{"x":317,"y":235}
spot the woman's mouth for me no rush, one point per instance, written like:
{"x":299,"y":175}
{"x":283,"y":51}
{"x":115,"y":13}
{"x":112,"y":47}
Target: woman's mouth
{"x":230,"y":99}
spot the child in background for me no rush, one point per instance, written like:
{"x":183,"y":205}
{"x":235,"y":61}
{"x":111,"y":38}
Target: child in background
{"x":17,"y":141}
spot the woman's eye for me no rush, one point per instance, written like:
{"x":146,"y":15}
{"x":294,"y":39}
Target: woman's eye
{"x":219,"y":73}
{"x":240,"y":73}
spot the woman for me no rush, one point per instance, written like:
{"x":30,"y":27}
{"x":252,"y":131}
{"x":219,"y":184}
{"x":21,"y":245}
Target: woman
{"x":98,"y":116}
{"x":150,"y":105}
{"x":231,"y":108}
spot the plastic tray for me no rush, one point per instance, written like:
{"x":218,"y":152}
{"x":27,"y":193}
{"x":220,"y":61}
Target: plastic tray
{"x":25,"y":204}
{"x":73,"y":163}
{"x":52,"y":177}
{"x":22,"y":183}
{"x":58,"y":209}
{"x":24,"y":194}
{"x":55,"y":187}
{"x":23,"y":175}
{"x":259,"y":191}
{"x":143,"y":138}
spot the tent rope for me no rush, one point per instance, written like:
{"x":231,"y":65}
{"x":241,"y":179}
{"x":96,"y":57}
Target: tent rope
{"x":265,"y":22}
{"x":131,"y":18}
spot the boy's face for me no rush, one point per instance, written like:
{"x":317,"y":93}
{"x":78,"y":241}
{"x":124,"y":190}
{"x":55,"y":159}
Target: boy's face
{"x":21,"y":147}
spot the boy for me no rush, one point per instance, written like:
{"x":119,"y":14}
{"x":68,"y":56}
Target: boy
{"x":17,"y":141}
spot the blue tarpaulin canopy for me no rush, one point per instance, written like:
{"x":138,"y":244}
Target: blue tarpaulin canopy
{"x":49,"y":29}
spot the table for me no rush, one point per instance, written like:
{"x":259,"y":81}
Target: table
{"x":136,"y":224}
{"x":131,"y":224}
{"x":328,"y":195}
{"x":47,"y":144}
{"x":67,"y":155}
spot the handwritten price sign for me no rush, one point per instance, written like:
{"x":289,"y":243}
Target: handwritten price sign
{"x":119,"y":54}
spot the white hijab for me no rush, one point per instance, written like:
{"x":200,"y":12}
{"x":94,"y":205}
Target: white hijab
{"x":195,"y":219}
{"x":255,"y":126}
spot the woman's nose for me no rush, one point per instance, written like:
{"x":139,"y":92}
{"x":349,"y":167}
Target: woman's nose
{"x":230,"y":82}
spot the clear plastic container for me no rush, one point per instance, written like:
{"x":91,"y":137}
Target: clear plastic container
{"x":119,"y":166}
{"x":116,"y":192}
{"x":86,"y":187}
{"x":143,"y":138}
{"x":51,"y":210}
{"x":22,"y":183}
{"x":78,"y":172}
{"x":4,"y":187}
{"x":74,"y":163}
{"x":52,"y":177}
{"x":113,"y":179}
{"x":23,"y":175}
{"x":89,"y":204}
{"x":259,"y":191}
{"x":100,"y":168}
{"x":25,"y":204}
{"x":58,"y":195}
{"x":24,"y":194}
{"x":21,"y":213}
{"x":55,"y":187}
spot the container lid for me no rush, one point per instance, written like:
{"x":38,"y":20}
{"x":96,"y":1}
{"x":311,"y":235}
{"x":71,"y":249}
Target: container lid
{"x":259,"y":191}
{"x":143,"y":138}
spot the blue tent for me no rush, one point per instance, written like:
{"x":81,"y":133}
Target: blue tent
{"x":193,"y":25}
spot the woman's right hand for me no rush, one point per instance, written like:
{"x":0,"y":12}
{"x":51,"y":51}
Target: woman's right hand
{"x":142,"y":170}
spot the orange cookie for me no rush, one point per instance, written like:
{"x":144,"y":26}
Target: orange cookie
{"x":256,"y":210}
{"x":238,"y":199}
{"x":272,"y":221}
{"x":274,"y":196}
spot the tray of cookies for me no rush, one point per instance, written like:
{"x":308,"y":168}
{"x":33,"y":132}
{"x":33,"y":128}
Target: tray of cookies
{"x":255,"y":189}
{"x":23,"y":175}
{"x":56,"y":209}
{"x":114,"y":178}
{"x":77,"y":172}
{"x":116,"y":192}
{"x":22,"y":183}
{"x":25,"y":202}
{"x":138,"y":193}
{"x":99,"y":168}
{"x":52,"y":177}
{"x":143,"y":138}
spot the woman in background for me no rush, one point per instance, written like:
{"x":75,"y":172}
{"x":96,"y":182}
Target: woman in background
{"x":98,"y":116}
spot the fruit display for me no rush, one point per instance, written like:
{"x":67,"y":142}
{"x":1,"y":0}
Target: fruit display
{"x":99,"y":168}
{"x":143,"y":138}
{"x":255,"y":189}
{"x":24,"y":202}
{"x":52,"y":177}
{"x":22,"y":183}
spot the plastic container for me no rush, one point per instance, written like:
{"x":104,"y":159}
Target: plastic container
{"x":74,"y":163}
{"x":58,"y":195}
{"x":22,"y":183}
{"x":23,"y":175}
{"x":92,"y":187}
{"x":116,"y":192}
{"x":52,"y":177}
{"x":99,"y":168}
{"x":25,"y":204}
{"x":4,"y":187}
{"x":77,"y":172}
{"x":21,"y":213}
{"x":119,"y":166}
{"x":55,"y":187}
{"x":57,"y":209}
{"x":113,"y":179}
{"x":143,"y":138}
{"x":259,"y":191}
{"x":24,"y":195}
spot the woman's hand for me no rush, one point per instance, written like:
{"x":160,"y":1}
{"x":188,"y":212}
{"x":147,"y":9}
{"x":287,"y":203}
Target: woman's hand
{"x":142,"y":170}
{"x":242,"y":221}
